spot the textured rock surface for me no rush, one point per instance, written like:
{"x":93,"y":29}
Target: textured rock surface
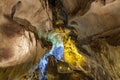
{"x":18,"y":46}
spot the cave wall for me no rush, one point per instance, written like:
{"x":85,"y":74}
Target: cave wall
{"x":102,"y":51}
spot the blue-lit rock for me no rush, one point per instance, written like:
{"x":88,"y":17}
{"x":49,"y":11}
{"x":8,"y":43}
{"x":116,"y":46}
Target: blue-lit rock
{"x":57,"y":51}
